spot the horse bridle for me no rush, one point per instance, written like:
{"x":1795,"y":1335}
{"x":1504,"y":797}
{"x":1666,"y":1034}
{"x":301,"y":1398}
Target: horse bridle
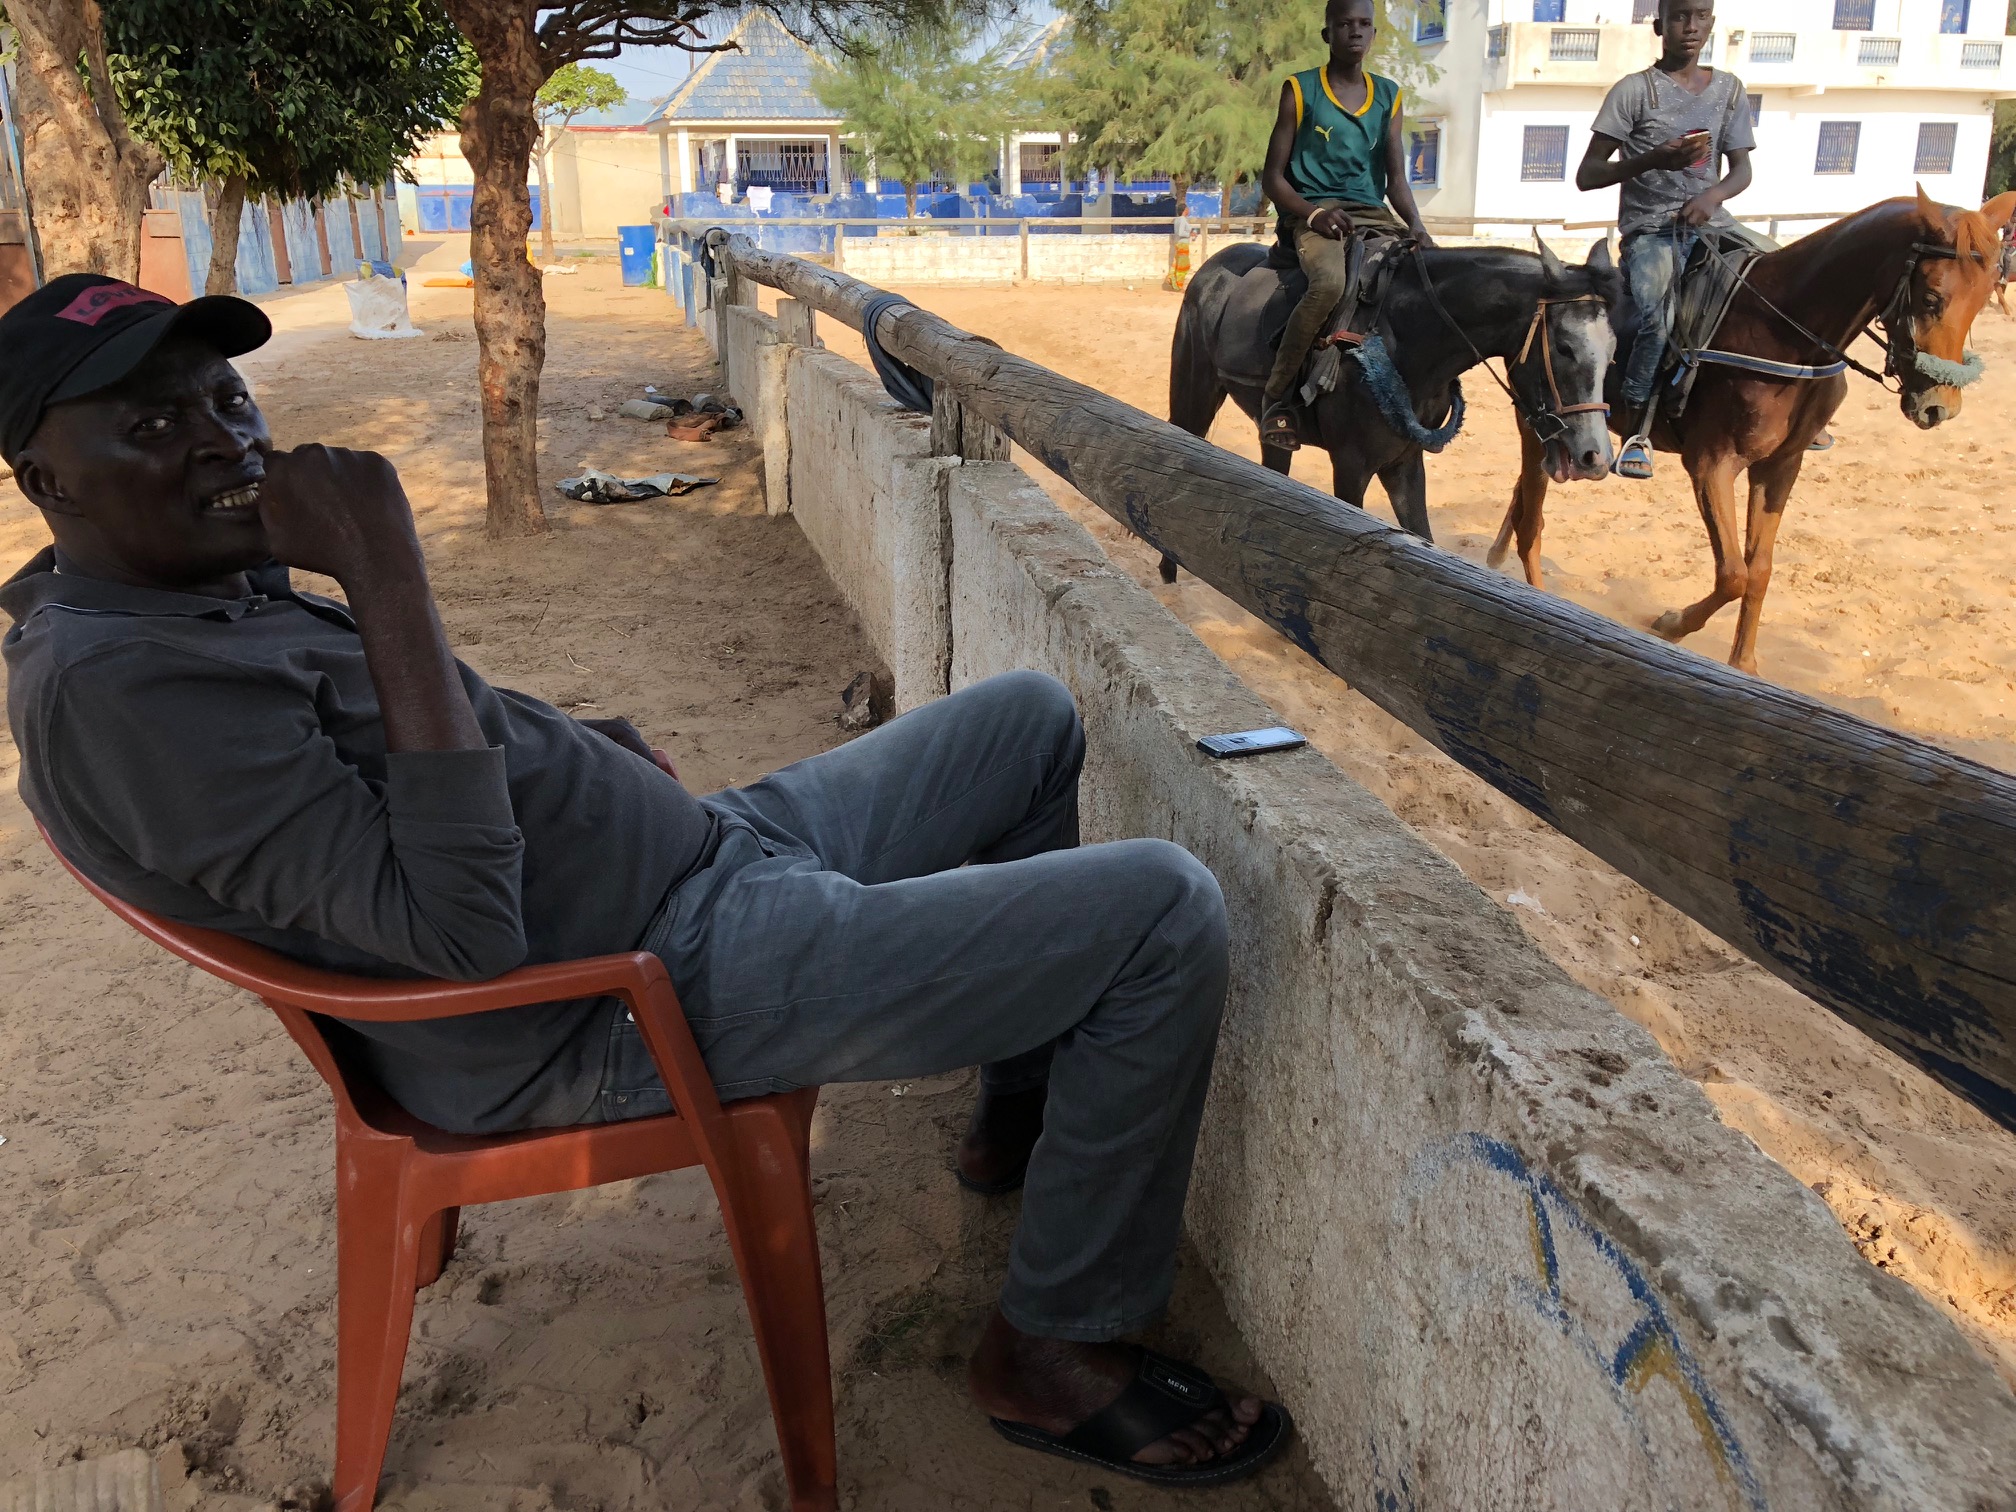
{"x":1900,"y":347}
{"x":1547,"y":422}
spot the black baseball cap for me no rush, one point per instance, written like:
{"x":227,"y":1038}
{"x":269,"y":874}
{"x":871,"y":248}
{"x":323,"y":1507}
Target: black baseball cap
{"x":83,"y":332}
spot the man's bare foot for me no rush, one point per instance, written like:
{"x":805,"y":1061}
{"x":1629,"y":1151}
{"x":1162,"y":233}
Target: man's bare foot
{"x":1055,"y":1385}
{"x":995,"y":1152}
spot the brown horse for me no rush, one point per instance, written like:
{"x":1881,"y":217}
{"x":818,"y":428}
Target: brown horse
{"x":1924,"y":270}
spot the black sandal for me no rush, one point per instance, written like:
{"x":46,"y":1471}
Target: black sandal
{"x":1278,"y":428}
{"x":1164,"y":1395}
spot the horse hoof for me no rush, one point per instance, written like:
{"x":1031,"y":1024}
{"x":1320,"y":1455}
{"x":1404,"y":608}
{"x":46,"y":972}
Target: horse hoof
{"x":1495,"y":557}
{"x":1168,"y":569}
{"x":1667,"y":626}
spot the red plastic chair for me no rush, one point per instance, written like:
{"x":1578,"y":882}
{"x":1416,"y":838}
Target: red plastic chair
{"x":401,"y":1183}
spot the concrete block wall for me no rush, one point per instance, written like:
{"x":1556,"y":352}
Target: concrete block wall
{"x":864,"y":488}
{"x":1494,"y":1250}
{"x":758,"y":360}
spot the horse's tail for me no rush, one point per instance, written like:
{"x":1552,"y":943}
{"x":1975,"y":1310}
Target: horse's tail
{"x":1196,"y":393}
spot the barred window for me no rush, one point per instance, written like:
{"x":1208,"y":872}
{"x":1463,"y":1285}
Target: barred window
{"x":1840,"y":143}
{"x":1854,"y":15}
{"x":1936,"y":141}
{"x":1544,"y":159}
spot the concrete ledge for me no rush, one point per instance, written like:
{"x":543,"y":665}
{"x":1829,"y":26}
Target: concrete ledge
{"x":756,"y":363}
{"x":1495,"y":1250}
{"x":864,"y":486}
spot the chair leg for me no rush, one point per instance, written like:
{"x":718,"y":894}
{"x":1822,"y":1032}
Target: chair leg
{"x":437,"y":1246}
{"x":378,"y":1262}
{"x":767,"y":1209}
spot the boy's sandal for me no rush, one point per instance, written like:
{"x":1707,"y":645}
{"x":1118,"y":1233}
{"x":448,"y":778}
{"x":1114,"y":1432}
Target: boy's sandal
{"x":1164,"y":1395}
{"x":1634,"y":460}
{"x":1822,"y":442}
{"x":1278,"y":428}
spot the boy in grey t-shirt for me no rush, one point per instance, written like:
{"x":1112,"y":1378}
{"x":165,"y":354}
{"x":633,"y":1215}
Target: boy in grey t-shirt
{"x":1668,"y":130}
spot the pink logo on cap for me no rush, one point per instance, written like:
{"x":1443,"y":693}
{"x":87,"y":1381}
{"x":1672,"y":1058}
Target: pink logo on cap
{"x":100,"y":300}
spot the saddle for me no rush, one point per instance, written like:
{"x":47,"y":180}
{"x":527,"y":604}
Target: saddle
{"x":1720,"y":262}
{"x":1373,"y":254}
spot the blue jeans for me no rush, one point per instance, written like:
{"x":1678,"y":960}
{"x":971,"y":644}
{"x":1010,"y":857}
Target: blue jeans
{"x":1653,"y":261}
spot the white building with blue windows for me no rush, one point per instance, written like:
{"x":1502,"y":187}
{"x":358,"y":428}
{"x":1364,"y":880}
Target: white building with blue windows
{"x":1854,"y":101}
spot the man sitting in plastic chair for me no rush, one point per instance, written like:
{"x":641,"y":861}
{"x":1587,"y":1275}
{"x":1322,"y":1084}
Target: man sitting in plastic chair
{"x":326,"y":779}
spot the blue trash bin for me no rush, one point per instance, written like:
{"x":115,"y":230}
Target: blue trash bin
{"x":636,"y":244}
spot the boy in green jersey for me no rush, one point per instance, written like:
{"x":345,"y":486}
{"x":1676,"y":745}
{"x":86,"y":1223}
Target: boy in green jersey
{"x":1335,"y":160}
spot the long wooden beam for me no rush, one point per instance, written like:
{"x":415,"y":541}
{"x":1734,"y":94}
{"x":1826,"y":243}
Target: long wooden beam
{"x":1873,"y":871}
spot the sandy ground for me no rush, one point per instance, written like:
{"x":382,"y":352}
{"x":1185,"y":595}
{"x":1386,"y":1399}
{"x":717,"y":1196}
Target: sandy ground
{"x":166,"y":1234}
{"x":1894,"y":596}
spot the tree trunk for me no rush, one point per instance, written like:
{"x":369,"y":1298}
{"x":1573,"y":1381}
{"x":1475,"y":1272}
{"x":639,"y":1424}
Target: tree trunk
{"x":224,"y":223}
{"x":910,"y":200}
{"x":545,"y":203}
{"x":87,"y":177}
{"x":1179,"y":187}
{"x":499,"y":132}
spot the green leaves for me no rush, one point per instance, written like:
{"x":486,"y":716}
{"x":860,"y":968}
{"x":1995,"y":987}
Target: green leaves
{"x":1189,"y":88}
{"x":296,"y":98}
{"x":574,"y":89}
{"x":926,"y":102}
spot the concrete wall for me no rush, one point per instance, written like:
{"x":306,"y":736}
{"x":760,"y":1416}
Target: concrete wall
{"x":1090,"y":257}
{"x":603,"y":178}
{"x":1495,"y":1251}
{"x":864,"y":486}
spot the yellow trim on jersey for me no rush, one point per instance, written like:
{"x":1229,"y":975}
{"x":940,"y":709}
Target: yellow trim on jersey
{"x":1296,"y":85}
{"x":1323,"y":73}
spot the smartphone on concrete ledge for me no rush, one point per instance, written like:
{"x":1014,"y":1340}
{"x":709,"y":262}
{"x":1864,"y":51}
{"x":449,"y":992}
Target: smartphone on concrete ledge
{"x":1251,"y":742}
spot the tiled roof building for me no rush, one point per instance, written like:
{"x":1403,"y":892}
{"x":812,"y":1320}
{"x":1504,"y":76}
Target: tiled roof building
{"x":750,"y":115}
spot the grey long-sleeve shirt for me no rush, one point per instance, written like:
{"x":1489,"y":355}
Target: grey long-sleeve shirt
{"x":222,"y":762}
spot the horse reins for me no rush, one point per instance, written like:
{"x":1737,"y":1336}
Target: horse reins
{"x":1895,"y":320}
{"x":1552,"y":414}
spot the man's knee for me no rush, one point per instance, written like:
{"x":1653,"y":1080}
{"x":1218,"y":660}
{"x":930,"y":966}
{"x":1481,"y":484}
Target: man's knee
{"x":1192,"y":920}
{"x":1036,"y":698}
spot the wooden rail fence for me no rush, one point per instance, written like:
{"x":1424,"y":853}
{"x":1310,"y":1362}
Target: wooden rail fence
{"x":1873,"y":871}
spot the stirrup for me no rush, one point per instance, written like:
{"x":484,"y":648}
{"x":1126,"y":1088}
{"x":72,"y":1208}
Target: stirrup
{"x":1634,"y":459}
{"x":1278,"y":428}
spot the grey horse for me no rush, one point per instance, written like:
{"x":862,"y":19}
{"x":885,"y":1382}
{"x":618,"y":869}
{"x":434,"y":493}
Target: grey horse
{"x":1445,"y":313}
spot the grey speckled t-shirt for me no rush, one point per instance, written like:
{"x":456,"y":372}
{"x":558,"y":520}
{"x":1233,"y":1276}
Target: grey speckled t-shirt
{"x":1647,"y":110}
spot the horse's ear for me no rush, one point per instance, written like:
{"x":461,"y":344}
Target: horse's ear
{"x":1931,"y":211}
{"x":1600,"y":260}
{"x":1550,"y":265}
{"x":1999,"y":210}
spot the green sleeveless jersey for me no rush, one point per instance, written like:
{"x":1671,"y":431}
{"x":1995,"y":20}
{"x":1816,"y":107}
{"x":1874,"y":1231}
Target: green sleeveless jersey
{"x":1340,"y":147}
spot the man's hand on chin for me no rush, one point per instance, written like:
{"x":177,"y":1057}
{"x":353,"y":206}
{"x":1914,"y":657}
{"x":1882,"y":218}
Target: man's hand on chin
{"x":341,"y":513}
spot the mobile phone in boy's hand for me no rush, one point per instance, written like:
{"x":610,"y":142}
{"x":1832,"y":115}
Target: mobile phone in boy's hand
{"x":1699,"y":142}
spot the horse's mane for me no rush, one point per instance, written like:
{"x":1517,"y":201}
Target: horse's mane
{"x":1974,"y":237}
{"x":1971,"y":233}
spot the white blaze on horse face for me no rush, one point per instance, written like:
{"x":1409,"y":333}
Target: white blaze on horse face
{"x":1947,"y":294}
{"x":1586,"y":345}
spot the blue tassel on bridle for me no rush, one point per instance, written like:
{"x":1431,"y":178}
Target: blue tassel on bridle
{"x":1396,"y":405}
{"x":1950,"y":374}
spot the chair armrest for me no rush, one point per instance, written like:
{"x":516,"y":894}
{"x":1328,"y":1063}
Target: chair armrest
{"x":637,"y":977}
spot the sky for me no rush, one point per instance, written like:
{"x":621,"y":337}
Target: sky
{"x":648,"y":72}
